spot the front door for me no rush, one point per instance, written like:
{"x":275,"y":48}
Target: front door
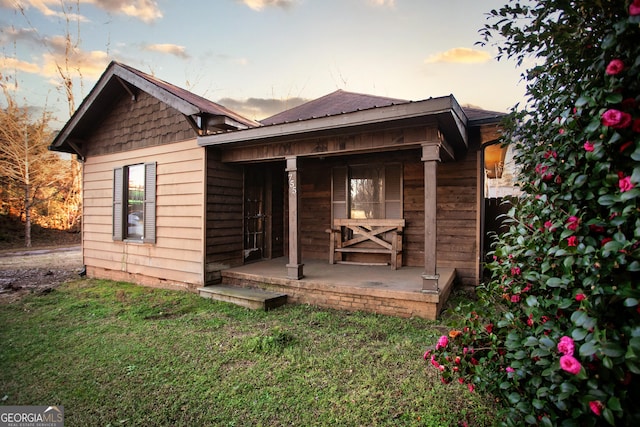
{"x":254,"y":215}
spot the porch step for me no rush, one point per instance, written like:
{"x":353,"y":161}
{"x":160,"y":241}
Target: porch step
{"x":252,"y":298}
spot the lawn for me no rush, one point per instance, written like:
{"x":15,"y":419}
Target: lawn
{"x":119,"y":354}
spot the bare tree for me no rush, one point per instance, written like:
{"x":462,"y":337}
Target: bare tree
{"x":29,"y":169}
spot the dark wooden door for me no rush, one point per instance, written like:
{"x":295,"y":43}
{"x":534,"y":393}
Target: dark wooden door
{"x":254,"y":215}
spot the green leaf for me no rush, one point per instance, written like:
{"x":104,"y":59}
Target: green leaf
{"x":612,"y":349}
{"x":555,"y":282}
{"x":530,"y":341}
{"x":608,"y":416}
{"x":614,"y":404}
{"x":530,"y":419}
{"x":587,"y":349}
{"x":578,"y":334}
{"x":532,"y":301}
{"x":607,"y":199}
{"x":630,"y":302}
{"x":614,"y":98}
{"x":513,"y":398}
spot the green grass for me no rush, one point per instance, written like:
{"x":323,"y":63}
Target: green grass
{"x":119,"y":354}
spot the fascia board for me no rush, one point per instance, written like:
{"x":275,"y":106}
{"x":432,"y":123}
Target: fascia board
{"x":427,"y":107}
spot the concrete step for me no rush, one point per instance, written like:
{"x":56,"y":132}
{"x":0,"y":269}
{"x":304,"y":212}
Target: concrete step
{"x":252,"y":298}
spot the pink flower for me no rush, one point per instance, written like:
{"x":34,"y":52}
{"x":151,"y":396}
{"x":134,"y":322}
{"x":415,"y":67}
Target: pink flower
{"x":489,"y":328}
{"x":625,"y":184}
{"x":515,"y":271}
{"x":470,"y":387}
{"x":442,"y":342}
{"x":588,"y":146}
{"x":616,"y":119}
{"x":457,"y":360}
{"x":549,"y":226}
{"x":570,"y":364}
{"x":573,"y":223}
{"x":461,"y":380}
{"x":605,"y":241}
{"x":572,"y":241}
{"x":510,"y":369}
{"x":434,"y":362}
{"x":551,"y":153}
{"x":515,"y":298}
{"x":580,"y":297}
{"x":566,"y":346}
{"x":615,"y":67}
{"x":426,"y":354}
{"x":634,"y":8}
{"x":596,"y":407}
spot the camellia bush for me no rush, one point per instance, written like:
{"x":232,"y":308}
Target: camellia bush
{"x":555,"y":333}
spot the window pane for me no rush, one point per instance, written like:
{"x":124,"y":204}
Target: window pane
{"x":366,"y":192}
{"x":135,"y":202}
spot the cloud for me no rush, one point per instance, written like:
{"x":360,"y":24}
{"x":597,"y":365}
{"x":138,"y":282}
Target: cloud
{"x":88,"y":64}
{"x":16,"y":64}
{"x":170,"y":49}
{"x":383,"y":3}
{"x":144,"y":10}
{"x":260,"y":108}
{"x":460,"y":55}
{"x":258,"y":5}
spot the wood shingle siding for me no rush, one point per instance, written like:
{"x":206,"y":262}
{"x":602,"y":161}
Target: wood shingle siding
{"x":133,"y":124}
{"x":176,"y":258}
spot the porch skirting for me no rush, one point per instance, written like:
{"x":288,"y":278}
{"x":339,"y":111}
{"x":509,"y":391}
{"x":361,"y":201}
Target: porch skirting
{"x":375,"y":289}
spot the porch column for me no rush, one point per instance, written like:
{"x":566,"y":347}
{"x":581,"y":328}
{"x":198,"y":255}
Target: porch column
{"x":294,"y":268}
{"x":430,"y":158}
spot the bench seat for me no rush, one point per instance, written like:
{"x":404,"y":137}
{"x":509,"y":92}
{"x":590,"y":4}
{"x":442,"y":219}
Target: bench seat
{"x":366,"y":236}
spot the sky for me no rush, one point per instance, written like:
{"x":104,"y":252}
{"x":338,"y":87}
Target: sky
{"x":258,"y":57}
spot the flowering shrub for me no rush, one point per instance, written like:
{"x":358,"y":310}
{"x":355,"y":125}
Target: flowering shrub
{"x":555,"y":333}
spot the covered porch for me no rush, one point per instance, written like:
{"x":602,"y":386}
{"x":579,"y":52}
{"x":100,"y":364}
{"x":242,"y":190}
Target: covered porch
{"x":377,"y":289}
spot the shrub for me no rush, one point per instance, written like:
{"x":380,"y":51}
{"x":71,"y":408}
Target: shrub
{"x":555,"y":334}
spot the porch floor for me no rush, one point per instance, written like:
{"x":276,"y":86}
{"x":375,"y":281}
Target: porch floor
{"x":376,"y":289}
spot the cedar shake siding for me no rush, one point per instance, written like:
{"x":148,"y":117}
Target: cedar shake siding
{"x":133,"y":124}
{"x":175,"y":260}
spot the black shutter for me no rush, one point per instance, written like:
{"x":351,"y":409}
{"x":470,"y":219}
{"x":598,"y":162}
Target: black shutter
{"x":149,"y":203}
{"x":118,"y":198}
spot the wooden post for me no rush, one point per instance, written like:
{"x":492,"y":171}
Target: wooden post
{"x":294,"y":268}
{"x":430,"y":157}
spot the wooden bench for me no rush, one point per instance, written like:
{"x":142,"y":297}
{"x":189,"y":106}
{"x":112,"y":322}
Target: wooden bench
{"x":366,"y":236}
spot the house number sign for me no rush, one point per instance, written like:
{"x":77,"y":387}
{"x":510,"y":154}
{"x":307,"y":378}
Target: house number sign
{"x":292,"y":183}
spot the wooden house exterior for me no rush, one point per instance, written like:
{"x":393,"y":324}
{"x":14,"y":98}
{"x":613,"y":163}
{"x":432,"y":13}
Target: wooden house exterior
{"x":225,"y":191}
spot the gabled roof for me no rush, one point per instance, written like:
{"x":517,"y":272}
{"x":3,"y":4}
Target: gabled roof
{"x":205,"y":116}
{"x":338,"y":102}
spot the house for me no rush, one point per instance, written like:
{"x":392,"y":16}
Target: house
{"x":349,"y":201}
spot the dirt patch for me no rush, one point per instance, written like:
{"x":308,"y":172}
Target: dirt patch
{"x":37,"y":271}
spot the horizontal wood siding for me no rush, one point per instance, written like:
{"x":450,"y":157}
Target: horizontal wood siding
{"x":224,"y":216}
{"x":458,"y":217}
{"x":177,"y":256}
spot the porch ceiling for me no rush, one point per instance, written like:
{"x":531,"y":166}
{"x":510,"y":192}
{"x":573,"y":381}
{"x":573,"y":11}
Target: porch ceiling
{"x":444,"y":114}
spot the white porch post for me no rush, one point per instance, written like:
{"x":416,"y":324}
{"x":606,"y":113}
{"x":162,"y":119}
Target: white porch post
{"x":430,"y":158}
{"x":295,"y":267}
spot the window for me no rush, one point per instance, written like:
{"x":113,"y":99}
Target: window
{"x":367,"y":191}
{"x":134,"y":203}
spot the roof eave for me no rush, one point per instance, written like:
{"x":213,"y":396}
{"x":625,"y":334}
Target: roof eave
{"x":445,"y":109}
